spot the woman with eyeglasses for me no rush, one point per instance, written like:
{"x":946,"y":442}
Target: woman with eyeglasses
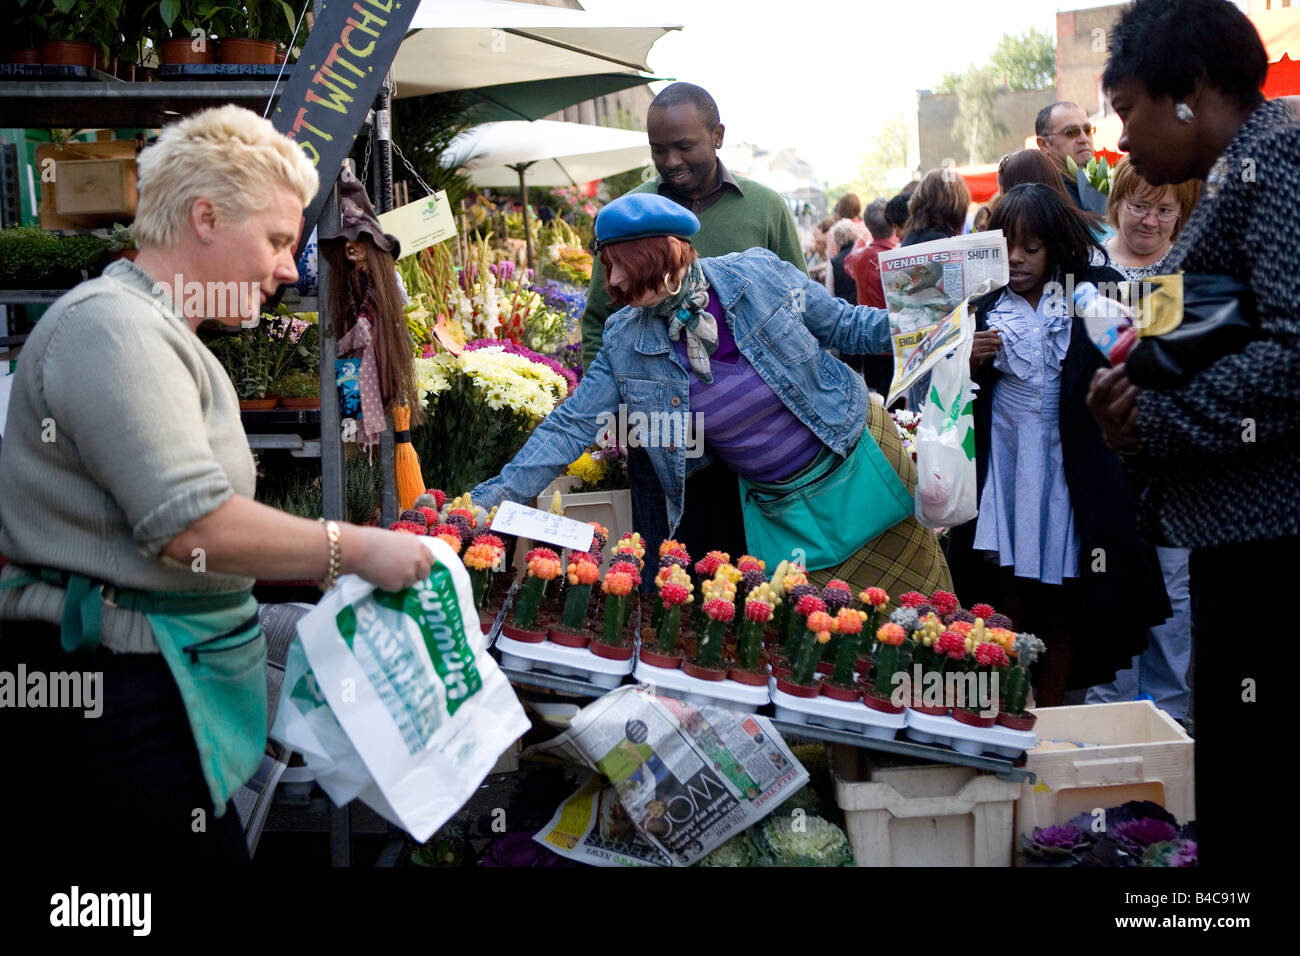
{"x":1147,"y":219}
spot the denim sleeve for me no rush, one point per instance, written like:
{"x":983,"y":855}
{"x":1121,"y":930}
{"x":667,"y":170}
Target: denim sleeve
{"x":853,"y":329}
{"x":557,"y":442}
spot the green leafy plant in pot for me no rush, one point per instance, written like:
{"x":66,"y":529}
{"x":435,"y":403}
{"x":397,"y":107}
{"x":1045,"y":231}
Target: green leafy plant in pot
{"x":1025,"y":650}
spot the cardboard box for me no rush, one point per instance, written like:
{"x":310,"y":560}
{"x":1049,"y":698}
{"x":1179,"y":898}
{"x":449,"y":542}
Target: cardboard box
{"x":96,"y":187}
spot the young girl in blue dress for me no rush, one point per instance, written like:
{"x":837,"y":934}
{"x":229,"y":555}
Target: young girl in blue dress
{"x":1055,"y":542}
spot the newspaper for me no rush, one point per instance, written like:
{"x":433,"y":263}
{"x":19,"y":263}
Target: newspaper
{"x":593,"y":827}
{"x":687,"y":778}
{"x":927,"y":289}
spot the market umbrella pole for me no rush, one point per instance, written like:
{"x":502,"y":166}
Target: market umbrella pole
{"x":523,"y":195}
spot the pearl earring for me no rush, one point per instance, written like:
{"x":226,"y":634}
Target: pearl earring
{"x":207,"y":240}
{"x":1183,"y":113}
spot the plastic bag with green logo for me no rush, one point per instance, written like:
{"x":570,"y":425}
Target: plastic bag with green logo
{"x":945,"y":441}
{"x":397,"y":701}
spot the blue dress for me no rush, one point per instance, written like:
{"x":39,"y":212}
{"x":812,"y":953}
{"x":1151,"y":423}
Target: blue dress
{"x":1025,"y":516}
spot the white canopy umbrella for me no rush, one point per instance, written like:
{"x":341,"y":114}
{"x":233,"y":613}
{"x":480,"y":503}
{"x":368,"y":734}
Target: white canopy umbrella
{"x":464,"y":44}
{"x":545,"y":153}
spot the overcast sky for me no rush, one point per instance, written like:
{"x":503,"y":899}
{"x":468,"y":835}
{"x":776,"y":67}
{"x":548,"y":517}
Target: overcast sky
{"x":823,"y":75}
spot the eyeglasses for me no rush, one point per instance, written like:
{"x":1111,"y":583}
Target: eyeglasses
{"x":1142,"y":210}
{"x":1072,"y":132}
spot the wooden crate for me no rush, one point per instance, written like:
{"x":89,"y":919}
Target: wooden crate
{"x":85,"y":185}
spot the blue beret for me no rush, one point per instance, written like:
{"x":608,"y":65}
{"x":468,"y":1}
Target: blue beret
{"x":640,"y":215}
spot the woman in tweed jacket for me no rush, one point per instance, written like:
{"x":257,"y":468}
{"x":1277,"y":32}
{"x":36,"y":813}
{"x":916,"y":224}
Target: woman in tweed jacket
{"x":1220,"y":454}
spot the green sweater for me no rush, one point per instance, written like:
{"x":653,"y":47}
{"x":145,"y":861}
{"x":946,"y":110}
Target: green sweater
{"x":732,"y":224}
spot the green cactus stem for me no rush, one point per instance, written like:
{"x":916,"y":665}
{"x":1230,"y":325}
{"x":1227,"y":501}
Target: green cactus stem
{"x":889,"y":660}
{"x":1015,"y":682}
{"x":575,"y":606}
{"x":670,"y":628}
{"x":615,"y":615}
{"x":528,"y":601}
{"x":807,"y":651}
{"x":478,"y":582}
{"x":781,"y":618}
{"x":846,"y":658}
{"x":709,"y":652}
{"x":749,"y":643}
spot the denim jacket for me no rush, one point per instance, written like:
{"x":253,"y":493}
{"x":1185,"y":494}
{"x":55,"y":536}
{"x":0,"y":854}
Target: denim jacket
{"x":782,"y":323}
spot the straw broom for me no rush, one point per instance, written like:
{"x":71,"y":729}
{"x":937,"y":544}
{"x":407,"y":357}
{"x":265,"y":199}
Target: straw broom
{"x":410,"y":483}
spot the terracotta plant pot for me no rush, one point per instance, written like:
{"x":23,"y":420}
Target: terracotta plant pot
{"x":67,"y":53}
{"x":692,"y":669}
{"x":527,"y":635}
{"x":826,"y":668}
{"x":932,"y":711}
{"x":29,"y":56}
{"x":834,"y":692}
{"x":972,"y":718}
{"x":485,"y":620}
{"x":181,"y":50}
{"x":656,"y":659}
{"x":300,"y":402}
{"x":872,"y":699}
{"x":780,"y":670}
{"x":245,"y":50}
{"x":257,"y":404}
{"x":125,"y":71}
{"x":609,"y":651}
{"x":757,"y":678}
{"x":567,"y":637}
{"x":1017,"y":721}
{"x":797,"y":690}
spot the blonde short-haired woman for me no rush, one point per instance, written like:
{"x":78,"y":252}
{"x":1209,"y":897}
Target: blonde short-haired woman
{"x":128,"y":516}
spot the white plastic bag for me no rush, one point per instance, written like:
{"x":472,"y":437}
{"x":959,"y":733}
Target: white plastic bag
{"x":394,"y":699}
{"x":945,"y":440}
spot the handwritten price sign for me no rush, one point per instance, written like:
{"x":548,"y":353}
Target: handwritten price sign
{"x":525,"y":522}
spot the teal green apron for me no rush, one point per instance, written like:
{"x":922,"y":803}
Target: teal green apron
{"x":213,"y":645}
{"x":826,"y":511}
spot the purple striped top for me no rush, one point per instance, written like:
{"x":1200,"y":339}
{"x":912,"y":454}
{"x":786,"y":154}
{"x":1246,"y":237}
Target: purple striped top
{"x":745,"y":423}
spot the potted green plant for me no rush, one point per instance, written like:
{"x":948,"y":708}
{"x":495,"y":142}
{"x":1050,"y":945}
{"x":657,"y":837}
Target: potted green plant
{"x":29,"y":31}
{"x":719,"y":611}
{"x":615,"y":640}
{"x":265,"y":25}
{"x":674,"y":593}
{"x":189,"y":28}
{"x":748,"y":665}
{"x":806,"y":649}
{"x":1025,"y":649}
{"x":80,"y":32}
{"x":583,"y":572}
{"x":543,"y":567}
{"x":298,"y":390}
{"x":31,"y":257}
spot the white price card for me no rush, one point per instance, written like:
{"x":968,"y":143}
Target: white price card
{"x":525,"y":522}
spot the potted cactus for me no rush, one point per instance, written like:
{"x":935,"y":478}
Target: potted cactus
{"x":1025,"y":649}
{"x":543,"y":567}
{"x":888,"y":660}
{"x":582,"y":573}
{"x":671,"y":554}
{"x":839,"y":683}
{"x":806,"y":602}
{"x":719,"y":610}
{"x":619,"y":584}
{"x":807,"y":649}
{"x":674,"y":593}
{"x":928,"y":659}
{"x":760,"y":604}
{"x":836,"y":595}
{"x":481,"y":558}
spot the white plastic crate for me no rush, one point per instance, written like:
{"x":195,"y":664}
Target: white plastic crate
{"x":927,"y":815}
{"x":1130,"y":751}
{"x":613,"y":509}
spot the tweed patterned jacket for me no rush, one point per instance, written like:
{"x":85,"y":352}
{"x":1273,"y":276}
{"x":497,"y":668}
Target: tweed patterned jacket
{"x":1221,"y":454}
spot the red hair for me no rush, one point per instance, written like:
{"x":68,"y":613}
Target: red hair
{"x":646,"y":262}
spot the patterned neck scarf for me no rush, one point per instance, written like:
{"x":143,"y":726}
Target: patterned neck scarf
{"x":685,"y":311}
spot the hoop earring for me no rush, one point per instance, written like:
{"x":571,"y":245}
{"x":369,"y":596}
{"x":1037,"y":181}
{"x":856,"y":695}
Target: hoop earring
{"x":1183,"y":113}
{"x":672,"y":291}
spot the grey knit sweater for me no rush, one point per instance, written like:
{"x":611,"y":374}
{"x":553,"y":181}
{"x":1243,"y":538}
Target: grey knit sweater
{"x":1221,"y":454}
{"x":123,"y":430}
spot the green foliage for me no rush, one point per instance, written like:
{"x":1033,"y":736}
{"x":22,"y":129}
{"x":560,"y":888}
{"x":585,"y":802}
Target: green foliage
{"x":1026,"y":60}
{"x":32,"y":255}
{"x":979,"y":124}
{"x":294,"y":485}
{"x":298,"y":385}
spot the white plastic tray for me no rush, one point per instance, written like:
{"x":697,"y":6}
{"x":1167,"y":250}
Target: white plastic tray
{"x":837,"y":714}
{"x":674,"y":682}
{"x":963,"y":738}
{"x":563,"y":661}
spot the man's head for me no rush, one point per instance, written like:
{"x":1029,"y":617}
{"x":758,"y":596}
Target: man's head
{"x":1063,"y":130}
{"x":877,"y":224}
{"x":685,"y":135}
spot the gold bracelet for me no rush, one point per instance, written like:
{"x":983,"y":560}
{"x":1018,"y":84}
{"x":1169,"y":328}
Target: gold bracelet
{"x":335,"y":537}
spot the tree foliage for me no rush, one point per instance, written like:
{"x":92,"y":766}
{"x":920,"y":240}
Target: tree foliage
{"x":1025,"y":61}
{"x":979,"y":124}
{"x":889,"y":152}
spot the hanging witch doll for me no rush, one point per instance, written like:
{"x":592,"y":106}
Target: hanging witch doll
{"x":376,"y":361}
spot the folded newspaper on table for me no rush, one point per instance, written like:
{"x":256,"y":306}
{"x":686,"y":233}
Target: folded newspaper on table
{"x":393,"y":698}
{"x":927,"y":287}
{"x":684,"y":779}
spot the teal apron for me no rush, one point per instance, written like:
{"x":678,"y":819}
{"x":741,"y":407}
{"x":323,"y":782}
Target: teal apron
{"x":213,"y":645}
{"x":827,"y":510}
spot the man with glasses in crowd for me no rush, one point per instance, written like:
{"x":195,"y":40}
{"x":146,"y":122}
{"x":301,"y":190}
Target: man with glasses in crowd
{"x":1063,"y":131}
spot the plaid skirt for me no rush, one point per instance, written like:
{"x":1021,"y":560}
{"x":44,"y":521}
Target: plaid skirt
{"x":907,"y":557}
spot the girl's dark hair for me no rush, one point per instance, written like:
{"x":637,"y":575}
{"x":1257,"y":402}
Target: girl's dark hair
{"x":1169,"y":44}
{"x":1035,"y":211}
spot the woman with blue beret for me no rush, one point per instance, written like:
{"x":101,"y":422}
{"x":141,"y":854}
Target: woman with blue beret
{"x":728,"y":357}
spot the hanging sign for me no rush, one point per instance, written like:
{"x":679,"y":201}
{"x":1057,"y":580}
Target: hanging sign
{"x":421,"y":224}
{"x":335,"y":82}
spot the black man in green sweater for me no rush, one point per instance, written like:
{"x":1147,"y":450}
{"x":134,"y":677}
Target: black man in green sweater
{"x":735,"y":214}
